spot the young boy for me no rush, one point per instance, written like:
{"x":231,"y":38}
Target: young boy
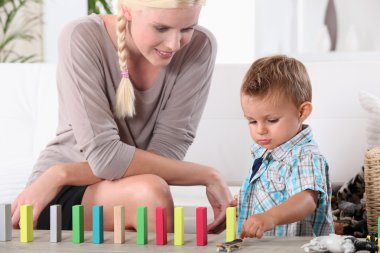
{"x":287,"y":192}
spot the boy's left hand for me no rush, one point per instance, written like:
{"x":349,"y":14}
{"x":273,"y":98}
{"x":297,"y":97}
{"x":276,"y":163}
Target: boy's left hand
{"x":257,"y":224}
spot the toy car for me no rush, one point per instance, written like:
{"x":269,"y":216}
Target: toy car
{"x":229,"y":246}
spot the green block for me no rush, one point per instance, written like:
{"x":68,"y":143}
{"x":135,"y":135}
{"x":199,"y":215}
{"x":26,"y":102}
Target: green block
{"x":378,"y":231}
{"x":142,"y":225}
{"x":78,"y":226}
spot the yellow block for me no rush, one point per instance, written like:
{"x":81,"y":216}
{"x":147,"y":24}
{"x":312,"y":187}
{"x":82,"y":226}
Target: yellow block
{"x":230,"y":224}
{"x":179,"y":229}
{"x":26,"y":223}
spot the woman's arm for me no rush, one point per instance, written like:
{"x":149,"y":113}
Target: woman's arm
{"x":174,"y":172}
{"x":294,"y":209}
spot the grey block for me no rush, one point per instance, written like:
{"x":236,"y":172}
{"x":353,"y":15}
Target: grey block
{"x":55,"y":223}
{"x":5,"y":223}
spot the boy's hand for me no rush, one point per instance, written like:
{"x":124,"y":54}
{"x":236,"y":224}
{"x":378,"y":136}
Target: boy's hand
{"x":257,"y":224}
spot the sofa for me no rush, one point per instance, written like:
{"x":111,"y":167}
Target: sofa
{"x":28,"y":116}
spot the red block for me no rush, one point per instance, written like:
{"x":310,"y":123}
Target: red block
{"x":161,"y":226}
{"x":201,"y":226}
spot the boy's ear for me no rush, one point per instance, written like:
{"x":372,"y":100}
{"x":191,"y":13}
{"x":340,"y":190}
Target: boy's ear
{"x":305,"y":110}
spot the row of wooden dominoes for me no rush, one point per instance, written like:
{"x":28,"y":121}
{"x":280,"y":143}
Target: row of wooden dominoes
{"x":26,"y":224}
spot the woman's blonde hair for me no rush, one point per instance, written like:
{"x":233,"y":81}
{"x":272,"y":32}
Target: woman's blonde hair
{"x":125,"y":96}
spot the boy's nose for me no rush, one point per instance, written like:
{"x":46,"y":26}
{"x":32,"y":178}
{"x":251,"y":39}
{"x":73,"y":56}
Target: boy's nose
{"x":261,"y":129}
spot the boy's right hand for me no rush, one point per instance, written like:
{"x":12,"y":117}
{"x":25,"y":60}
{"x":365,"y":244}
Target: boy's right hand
{"x":257,"y":224}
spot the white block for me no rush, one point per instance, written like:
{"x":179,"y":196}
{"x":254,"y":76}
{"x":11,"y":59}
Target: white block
{"x":5,"y":222}
{"x":55,"y":223}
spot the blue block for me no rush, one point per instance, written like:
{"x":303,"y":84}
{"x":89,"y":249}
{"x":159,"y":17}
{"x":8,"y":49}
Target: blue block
{"x":97,"y":225}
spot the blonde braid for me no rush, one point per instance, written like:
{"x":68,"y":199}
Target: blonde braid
{"x":125,"y":96}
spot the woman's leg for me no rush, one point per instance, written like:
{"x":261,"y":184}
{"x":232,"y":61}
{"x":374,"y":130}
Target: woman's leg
{"x":131,"y":192}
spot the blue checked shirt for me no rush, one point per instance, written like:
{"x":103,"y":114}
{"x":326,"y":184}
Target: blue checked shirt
{"x":289,"y":169}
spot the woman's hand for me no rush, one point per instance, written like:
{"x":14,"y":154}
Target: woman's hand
{"x":38,"y":194}
{"x":220,"y":198}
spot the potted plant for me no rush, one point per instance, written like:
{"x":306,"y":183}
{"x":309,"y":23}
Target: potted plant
{"x":99,"y":6}
{"x":18,"y":28}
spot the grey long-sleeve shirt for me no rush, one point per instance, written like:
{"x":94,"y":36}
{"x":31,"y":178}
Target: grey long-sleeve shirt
{"x":88,"y":75}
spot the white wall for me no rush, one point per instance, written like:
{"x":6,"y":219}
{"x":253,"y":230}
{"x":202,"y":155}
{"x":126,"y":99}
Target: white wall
{"x":232,"y":23}
{"x":247,"y":29}
{"x":57,"y":14}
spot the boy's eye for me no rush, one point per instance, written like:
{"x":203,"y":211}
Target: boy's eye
{"x":272,"y":120}
{"x":252,"y":122}
{"x":161,"y":29}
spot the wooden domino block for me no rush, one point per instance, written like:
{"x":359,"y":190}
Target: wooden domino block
{"x":26,"y":223}
{"x":5,"y":223}
{"x":161,"y":226}
{"x":142,"y":225}
{"x":230,"y":224}
{"x":378,"y":232}
{"x":97,"y":224}
{"x":78,"y":225}
{"x":55,"y":223}
{"x":201,"y":219}
{"x":179,"y":229}
{"x":119,"y":224}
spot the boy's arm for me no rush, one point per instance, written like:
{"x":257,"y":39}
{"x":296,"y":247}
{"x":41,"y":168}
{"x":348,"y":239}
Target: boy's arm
{"x":294,"y":209}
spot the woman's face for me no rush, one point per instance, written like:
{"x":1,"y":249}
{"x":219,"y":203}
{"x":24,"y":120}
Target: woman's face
{"x":158,"y":34}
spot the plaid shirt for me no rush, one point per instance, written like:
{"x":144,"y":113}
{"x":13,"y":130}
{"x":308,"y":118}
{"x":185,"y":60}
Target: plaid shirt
{"x":289,"y":169}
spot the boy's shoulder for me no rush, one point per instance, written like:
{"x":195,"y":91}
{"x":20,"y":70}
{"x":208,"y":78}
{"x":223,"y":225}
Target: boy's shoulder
{"x":304,"y":154}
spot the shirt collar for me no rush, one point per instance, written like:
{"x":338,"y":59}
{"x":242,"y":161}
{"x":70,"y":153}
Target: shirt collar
{"x":281,"y":151}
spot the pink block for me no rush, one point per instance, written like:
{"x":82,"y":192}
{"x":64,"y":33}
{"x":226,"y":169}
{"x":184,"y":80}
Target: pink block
{"x":161,"y":226}
{"x":201,"y":226}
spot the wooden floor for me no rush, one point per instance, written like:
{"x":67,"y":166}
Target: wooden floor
{"x":41,"y":244}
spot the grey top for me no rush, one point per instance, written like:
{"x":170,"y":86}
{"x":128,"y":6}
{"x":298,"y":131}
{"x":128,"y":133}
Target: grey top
{"x":88,"y":75}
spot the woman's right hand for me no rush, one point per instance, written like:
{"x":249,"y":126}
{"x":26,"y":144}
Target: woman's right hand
{"x":38,"y":194}
{"x":220,"y":198}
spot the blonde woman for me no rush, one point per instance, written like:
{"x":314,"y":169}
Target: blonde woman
{"x":132,"y":89}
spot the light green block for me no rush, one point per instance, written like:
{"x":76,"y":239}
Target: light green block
{"x":78,"y":225}
{"x":142,"y":225}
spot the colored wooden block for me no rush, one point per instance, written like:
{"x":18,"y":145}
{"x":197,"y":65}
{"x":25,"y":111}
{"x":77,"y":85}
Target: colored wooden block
{"x":97,"y":224}
{"x":179,"y":229}
{"x":26,"y":223}
{"x":142,"y":225}
{"x":378,"y":232}
{"x":55,"y":223}
{"x":119,"y":224}
{"x":201,"y":219}
{"x":161,"y":226}
{"x":78,"y":225}
{"x":230,"y":224}
{"x":5,"y":223}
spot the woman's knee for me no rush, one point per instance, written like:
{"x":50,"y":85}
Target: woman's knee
{"x":154,"y":190}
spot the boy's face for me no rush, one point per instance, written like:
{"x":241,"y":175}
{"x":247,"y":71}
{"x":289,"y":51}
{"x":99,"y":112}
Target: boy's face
{"x":272,"y":123}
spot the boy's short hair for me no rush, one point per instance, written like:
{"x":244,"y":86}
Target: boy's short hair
{"x":280,"y":75}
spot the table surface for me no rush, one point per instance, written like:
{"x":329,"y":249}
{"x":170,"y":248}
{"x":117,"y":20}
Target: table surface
{"x":41,"y":243}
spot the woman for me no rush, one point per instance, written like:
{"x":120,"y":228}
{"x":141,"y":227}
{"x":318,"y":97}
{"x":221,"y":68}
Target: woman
{"x":132,"y":89}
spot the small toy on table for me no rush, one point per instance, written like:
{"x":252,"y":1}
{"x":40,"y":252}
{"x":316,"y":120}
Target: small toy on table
{"x":229,"y":246}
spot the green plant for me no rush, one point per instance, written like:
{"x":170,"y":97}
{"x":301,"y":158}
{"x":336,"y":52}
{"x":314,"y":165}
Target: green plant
{"x":98,"y":6}
{"x":16,"y":26}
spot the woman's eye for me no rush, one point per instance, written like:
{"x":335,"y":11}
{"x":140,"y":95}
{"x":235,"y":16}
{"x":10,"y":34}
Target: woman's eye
{"x":187,"y":30}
